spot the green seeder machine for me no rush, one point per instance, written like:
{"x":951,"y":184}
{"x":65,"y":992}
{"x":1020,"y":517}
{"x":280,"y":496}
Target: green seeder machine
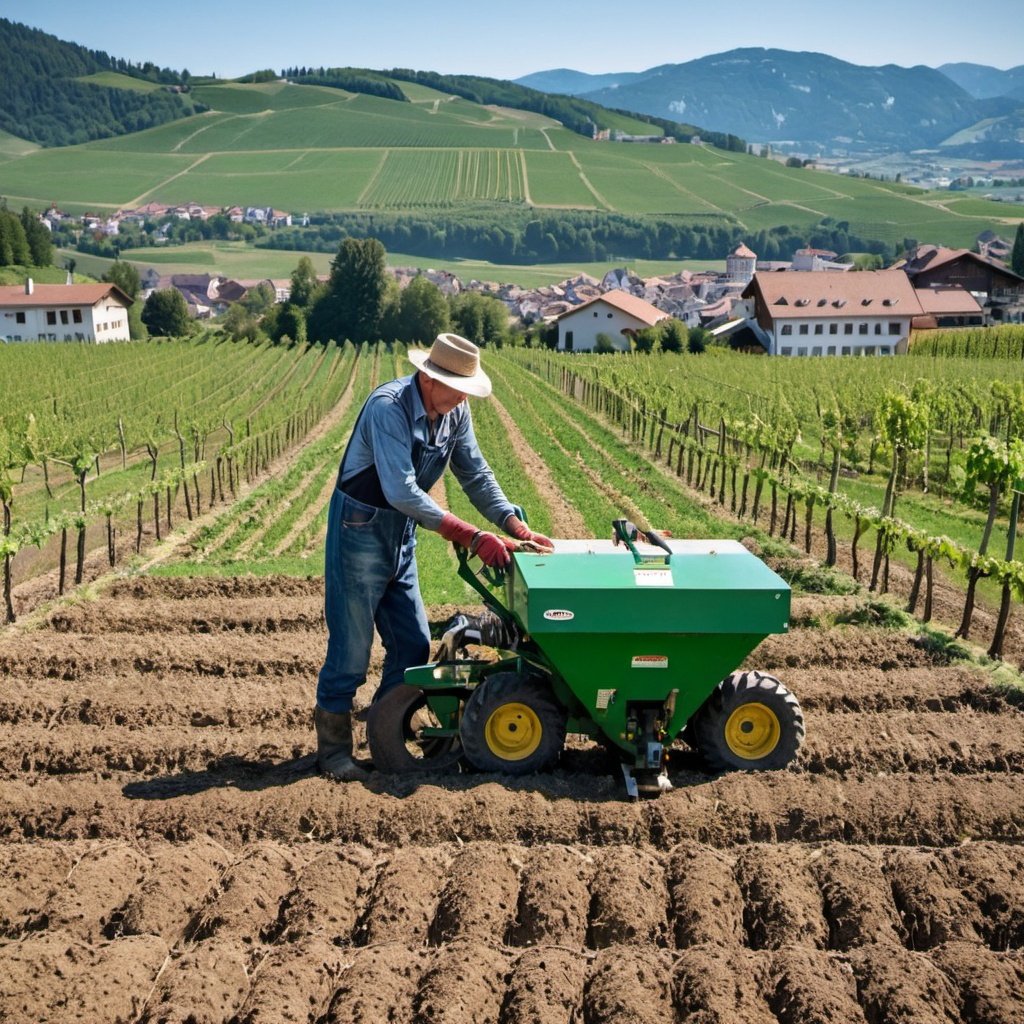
{"x":631,"y":641}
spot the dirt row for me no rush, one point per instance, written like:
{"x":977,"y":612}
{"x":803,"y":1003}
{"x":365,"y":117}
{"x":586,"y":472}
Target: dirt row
{"x":829,"y":896}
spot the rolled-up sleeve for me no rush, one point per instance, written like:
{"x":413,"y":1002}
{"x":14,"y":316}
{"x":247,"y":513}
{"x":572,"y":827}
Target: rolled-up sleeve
{"x":475,"y":476}
{"x":391,"y":437}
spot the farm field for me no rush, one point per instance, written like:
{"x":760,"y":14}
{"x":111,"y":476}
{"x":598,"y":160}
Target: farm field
{"x":308,"y":148}
{"x":168,"y":853}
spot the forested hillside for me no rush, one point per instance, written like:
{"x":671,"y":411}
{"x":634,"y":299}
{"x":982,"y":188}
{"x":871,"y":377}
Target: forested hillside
{"x":46,"y":101}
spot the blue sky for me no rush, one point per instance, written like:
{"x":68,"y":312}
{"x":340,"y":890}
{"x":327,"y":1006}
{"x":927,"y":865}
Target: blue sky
{"x":507,"y":41}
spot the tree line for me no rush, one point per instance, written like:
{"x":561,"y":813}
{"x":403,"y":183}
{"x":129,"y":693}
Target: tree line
{"x":523,"y":236}
{"x":44,"y":102}
{"x":24,"y":240}
{"x":349,"y":79}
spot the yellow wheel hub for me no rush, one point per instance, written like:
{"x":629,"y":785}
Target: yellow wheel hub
{"x":752,"y":731}
{"x":513,"y":731}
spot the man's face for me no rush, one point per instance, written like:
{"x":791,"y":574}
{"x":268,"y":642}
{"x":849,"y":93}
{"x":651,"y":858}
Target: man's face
{"x":440,"y":398}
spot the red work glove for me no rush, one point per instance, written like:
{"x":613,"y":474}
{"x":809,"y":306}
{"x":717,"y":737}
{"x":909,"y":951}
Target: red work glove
{"x":515,"y":526}
{"x":493,"y":551}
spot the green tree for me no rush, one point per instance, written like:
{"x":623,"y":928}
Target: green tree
{"x":14,"y":250}
{"x":37,"y":234}
{"x":1017,"y":253}
{"x":304,"y":284}
{"x":698,"y":340}
{"x":290,"y":322}
{"x":240,"y":323}
{"x":675,"y":336}
{"x":352,"y":307}
{"x":422,"y":312}
{"x":126,"y":277}
{"x":166,"y":314}
{"x":482,"y":319}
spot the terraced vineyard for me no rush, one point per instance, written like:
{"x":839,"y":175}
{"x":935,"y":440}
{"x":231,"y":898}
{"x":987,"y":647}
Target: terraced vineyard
{"x":168,"y":854}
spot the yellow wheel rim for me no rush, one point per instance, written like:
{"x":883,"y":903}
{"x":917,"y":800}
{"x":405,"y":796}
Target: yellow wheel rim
{"x":752,"y":731}
{"x":513,"y":731}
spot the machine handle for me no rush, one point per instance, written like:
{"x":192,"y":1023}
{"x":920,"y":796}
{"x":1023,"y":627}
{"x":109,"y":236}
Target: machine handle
{"x":625,"y":532}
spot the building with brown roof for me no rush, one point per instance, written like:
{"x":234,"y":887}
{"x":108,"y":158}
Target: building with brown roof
{"x":63,"y":312}
{"x":989,"y":280}
{"x":616,"y":314}
{"x":949,"y":306}
{"x":805,"y":313}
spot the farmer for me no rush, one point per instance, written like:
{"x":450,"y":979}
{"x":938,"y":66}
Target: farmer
{"x":407,"y":432}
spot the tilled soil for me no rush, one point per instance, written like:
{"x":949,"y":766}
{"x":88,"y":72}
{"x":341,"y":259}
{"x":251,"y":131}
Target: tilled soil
{"x":168,"y":854}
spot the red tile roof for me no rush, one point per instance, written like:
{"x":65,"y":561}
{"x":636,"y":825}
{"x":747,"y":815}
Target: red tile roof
{"x":743,"y":251}
{"x":947,"y":301}
{"x":59,"y":295}
{"x":635,"y":307}
{"x":807,"y":293}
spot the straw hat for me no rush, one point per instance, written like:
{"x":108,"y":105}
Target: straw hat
{"x":453,"y":361}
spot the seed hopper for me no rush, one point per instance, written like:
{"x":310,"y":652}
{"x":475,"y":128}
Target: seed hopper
{"x":632,"y":641}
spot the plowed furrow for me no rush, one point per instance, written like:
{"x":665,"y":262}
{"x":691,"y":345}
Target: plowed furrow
{"x":254,"y":615}
{"x":952,"y":689}
{"x":967,"y":743}
{"x":252,"y":800}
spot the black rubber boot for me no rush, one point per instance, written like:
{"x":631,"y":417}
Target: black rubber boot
{"x":334,"y":746}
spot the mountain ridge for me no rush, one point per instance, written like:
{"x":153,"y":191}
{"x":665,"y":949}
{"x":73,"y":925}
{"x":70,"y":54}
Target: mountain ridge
{"x":815,"y":102}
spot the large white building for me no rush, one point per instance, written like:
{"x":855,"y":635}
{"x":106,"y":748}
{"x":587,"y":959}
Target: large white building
{"x":808,"y":313}
{"x":63,"y":312}
{"x":616,"y":314}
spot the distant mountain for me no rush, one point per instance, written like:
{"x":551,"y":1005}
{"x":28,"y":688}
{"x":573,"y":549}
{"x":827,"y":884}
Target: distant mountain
{"x":816,"y":101}
{"x":575,"y":83}
{"x":984,"y":82}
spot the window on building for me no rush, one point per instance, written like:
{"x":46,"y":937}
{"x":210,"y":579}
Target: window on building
{"x":869,"y":350}
{"x":847,"y":328}
{"x":884,"y":350}
{"x":609,"y":316}
{"x":786,"y":350}
{"x":894,"y":328}
{"x":816,"y":350}
{"x":803,"y":328}
{"x":19,"y":318}
{"x":833,"y":328}
{"x":568,"y":341}
{"x":801,"y":350}
{"x":595,"y":312}
{"x":831,"y":350}
{"x":51,"y":317}
{"x":845,"y":350}
{"x":863,"y":329}
{"x":63,"y":316}
{"x":786,"y":329}
{"x":878,"y":328}
{"x":76,"y":315}
{"x":819,"y":328}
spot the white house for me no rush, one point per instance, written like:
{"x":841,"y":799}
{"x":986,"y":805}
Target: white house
{"x":617,"y":314}
{"x":63,"y":312}
{"x":807,"y":313}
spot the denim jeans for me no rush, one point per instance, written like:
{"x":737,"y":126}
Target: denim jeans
{"x":370,"y":580}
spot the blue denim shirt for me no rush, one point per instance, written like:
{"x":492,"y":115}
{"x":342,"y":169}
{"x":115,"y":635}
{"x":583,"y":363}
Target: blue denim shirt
{"x":392,"y":425}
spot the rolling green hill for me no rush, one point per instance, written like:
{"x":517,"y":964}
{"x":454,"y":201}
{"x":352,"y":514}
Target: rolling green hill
{"x":439,"y":158}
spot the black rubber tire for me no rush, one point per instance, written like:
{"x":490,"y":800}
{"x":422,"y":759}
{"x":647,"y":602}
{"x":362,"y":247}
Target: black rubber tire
{"x":503,"y":708}
{"x":775,"y":724}
{"x":391,"y":731}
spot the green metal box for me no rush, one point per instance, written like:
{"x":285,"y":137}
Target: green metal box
{"x":619,"y":631}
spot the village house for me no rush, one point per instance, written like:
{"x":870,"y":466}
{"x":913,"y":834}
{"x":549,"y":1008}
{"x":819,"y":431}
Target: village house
{"x":807,"y":313}
{"x":63,"y":312}
{"x":991,"y":282}
{"x":616,"y":314}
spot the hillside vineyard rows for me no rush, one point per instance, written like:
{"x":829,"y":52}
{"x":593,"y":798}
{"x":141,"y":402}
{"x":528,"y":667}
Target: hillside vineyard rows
{"x":168,"y":854}
{"x":309,"y":148}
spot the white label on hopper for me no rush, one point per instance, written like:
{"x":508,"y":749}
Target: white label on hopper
{"x":653,"y":577}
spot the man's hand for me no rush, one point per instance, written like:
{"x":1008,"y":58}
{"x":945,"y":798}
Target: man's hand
{"x":515,"y":526}
{"x":493,"y":551}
